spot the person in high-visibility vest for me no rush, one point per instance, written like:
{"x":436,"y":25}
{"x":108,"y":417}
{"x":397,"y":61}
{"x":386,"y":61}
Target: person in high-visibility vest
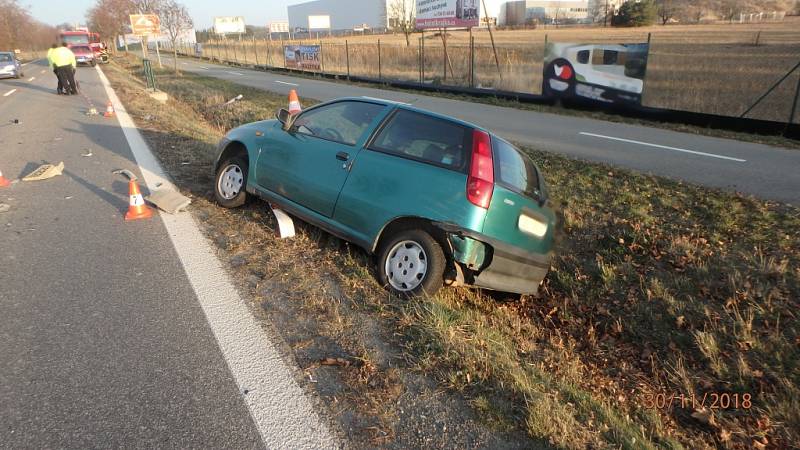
{"x":60,"y":88}
{"x":64,"y":61}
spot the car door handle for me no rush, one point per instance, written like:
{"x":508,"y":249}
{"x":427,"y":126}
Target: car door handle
{"x":342,"y":156}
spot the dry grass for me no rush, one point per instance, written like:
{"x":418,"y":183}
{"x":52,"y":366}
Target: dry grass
{"x":660,"y":288}
{"x":704,"y":68}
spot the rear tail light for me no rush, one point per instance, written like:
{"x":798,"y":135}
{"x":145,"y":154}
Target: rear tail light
{"x":480,"y":182}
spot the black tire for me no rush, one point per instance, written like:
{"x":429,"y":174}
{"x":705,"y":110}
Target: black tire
{"x":433,"y":277}
{"x":241,"y":197}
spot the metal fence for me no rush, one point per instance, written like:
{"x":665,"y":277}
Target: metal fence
{"x":722,"y":75}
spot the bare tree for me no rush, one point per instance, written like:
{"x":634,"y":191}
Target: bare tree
{"x":109,"y":18}
{"x":19,"y":30}
{"x":668,"y":9}
{"x":175,"y":19}
{"x":402,"y":15}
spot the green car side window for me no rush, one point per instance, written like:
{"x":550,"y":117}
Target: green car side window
{"x":343,"y":122}
{"x":424,"y":138}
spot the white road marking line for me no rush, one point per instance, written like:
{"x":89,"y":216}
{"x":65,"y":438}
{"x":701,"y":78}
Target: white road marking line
{"x":286,"y":82}
{"x":666,"y":147}
{"x":234,"y":73}
{"x":204,"y":68}
{"x":9,"y":92}
{"x":31,"y":79}
{"x":285,"y":418}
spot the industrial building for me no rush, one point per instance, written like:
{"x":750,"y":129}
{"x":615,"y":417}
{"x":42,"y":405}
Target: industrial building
{"x":344,"y":14}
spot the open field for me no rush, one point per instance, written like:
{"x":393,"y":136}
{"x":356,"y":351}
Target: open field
{"x":664,"y":296}
{"x":705,"y":68}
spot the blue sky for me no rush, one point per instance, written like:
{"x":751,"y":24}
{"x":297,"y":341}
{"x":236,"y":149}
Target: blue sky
{"x":255,"y":12}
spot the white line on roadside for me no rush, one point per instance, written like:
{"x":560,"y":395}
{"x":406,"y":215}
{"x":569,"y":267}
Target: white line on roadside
{"x":204,"y":68}
{"x":9,"y":92}
{"x":286,"y":82}
{"x":677,"y":149}
{"x":31,"y":79}
{"x":234,"y":73}
{"x":285,"y":418}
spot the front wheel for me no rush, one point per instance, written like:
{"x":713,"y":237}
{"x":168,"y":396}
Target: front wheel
{"x":411,"y":263}
{"x":230,"y":182}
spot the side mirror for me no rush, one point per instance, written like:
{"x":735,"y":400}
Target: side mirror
{"x":285,"y":118}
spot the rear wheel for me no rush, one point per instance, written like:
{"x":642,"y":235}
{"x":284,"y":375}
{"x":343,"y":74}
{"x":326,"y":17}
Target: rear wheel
{"x":230,"y":182}
{"x":411,"y":263}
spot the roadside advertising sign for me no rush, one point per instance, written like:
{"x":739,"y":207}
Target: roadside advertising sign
{"x":448,"y":13}
{"x":319,"y":22}
{"x":229,"y":25}
{"x":279,"y":27}
{"x":145,"y":24}
{"x":305,"y":57}
{"x":607,"y":73}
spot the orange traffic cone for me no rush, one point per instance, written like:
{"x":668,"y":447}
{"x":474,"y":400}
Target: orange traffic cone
{"x":109,"y":110}
{"x":294,"y":103}
{"x":3,"y":181}
{"x":136,"y":207}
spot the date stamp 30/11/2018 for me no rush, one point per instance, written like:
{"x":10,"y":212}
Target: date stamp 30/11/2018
{"x":710,"y":400}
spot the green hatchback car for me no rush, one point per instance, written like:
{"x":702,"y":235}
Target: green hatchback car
{"x":436,"y":200}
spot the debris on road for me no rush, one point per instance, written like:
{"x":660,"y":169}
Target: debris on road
{"x":44,"y":172}
{"x":87,"y":154}
{"x":4,"y":207}
{"x":169,"y":200}
{"x":125,"y":172}
{"x":92,"y":111}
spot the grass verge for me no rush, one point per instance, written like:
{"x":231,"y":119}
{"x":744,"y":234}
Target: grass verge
{"x":668,"y":320}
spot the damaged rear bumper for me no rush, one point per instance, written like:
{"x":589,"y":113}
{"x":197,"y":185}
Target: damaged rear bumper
{"x":493,"y":264}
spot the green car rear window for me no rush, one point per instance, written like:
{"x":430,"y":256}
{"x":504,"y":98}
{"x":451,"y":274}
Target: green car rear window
{"x":513,"y":169}
{"x":424,"y":138}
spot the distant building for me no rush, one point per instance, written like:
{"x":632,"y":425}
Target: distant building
{"x":364,"y":14}
{"x":514,"y":13}
{"x":525,"y":12}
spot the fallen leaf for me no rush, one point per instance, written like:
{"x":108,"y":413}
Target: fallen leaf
{"x":335,"y":362}
{"x":704,"y":415}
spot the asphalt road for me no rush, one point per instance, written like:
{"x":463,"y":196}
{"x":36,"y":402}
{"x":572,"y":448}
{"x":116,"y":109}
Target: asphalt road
{"x":764,"y":171}
{"x":102,"y":340}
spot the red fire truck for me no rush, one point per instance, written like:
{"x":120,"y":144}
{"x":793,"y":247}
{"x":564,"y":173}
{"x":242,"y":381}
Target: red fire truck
{"x":82,"y":36}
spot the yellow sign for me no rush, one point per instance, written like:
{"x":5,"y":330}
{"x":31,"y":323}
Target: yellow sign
{"x":145,"y":24}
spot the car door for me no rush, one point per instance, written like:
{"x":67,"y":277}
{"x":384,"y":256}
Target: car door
{"x":310,"y":163}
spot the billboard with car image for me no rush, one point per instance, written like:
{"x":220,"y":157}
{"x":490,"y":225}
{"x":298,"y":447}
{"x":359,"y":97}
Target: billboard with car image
{"x":607,"y":73}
